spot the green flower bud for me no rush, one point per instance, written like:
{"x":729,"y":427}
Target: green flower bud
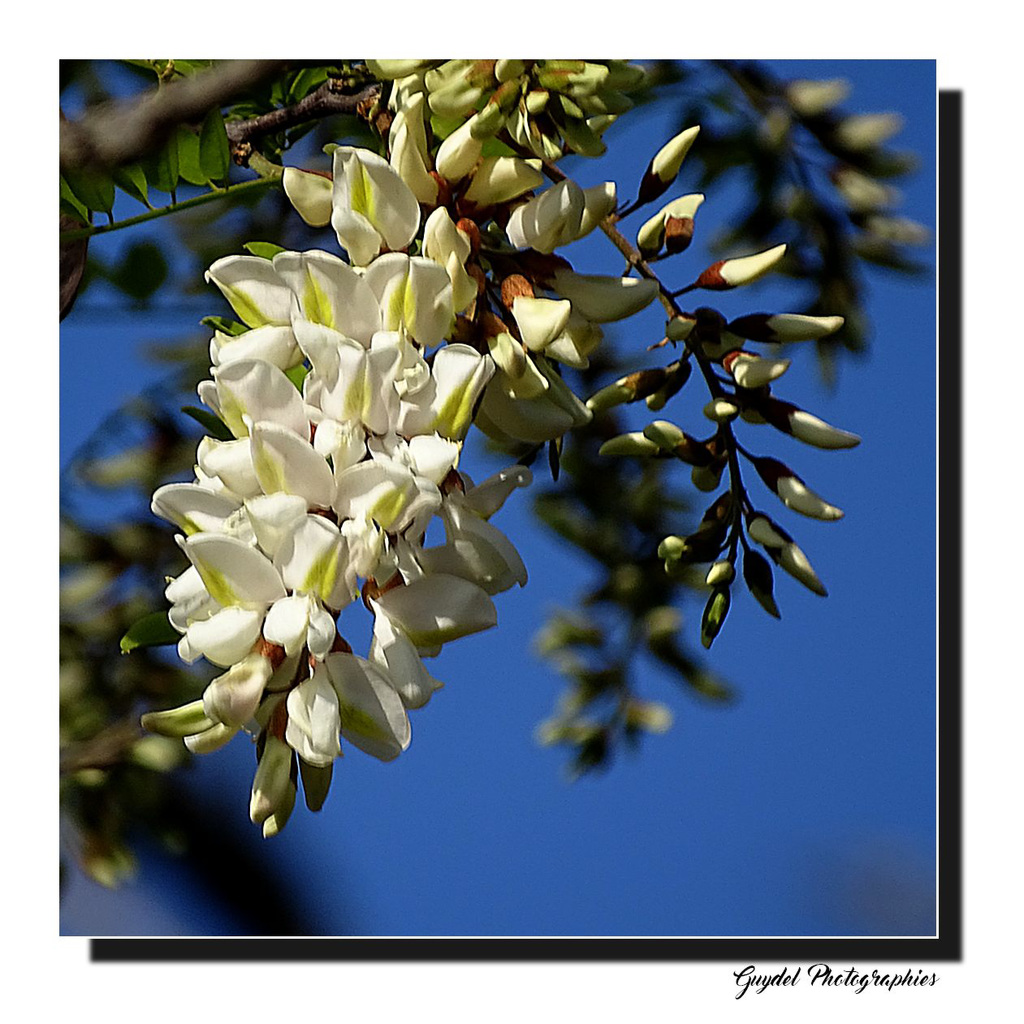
{"x":715,"y":612}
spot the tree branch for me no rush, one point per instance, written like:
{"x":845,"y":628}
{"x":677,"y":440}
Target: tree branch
{"x":328,"y":99}
{"x":119,"y":133}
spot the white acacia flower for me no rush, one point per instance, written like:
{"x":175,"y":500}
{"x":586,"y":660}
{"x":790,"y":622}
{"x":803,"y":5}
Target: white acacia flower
{"x":505,"y":414}
{"x":371,"y":712}
{"x":390,"y":494}
{"x":243,"y":583}
{"x":474,"y":550}
{"x":314,"y":722}
{"x":287,"y":463}
{"x":254,"y":290}
{"x":552,"y":219}
{"x":415,"y":295}
{"x":396,"y":655}
{"x":373,"y":206}
{"x":438,"y":608}
{"x":444,"y":243}
{"x":310,"y":193}
{"x":445,"y":404}
{"x":196,"y":509}
{"x":327,"y":291}
{"x":226,"y":467}
{"x":254,"y":390}
{"x":273,"y":344}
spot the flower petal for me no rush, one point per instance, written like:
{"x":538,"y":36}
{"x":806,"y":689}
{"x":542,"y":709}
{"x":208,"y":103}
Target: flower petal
{"x":234,"y":572}
{"x":436,"y":609}
{"x":330,"y":292}
{"x":283,"y":461}
{"x":373,"y":717}
{"x":256,"y":293}
{"x":225,"y":638}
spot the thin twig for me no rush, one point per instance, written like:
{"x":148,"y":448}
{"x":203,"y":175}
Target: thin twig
{"x":330,"y":98}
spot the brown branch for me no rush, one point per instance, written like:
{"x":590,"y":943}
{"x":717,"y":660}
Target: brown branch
{"x":118,"y":133}
{"x":328,"y":99}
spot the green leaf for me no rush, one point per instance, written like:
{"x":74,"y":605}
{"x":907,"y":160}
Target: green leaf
{"x":190,"y":165}
{"x":150,"y":631}
{"x":213,"y":424}
{"x":161,"y":169}
{"x":214,"y":151}
{"x":495,"y":147}
{"x":74,"y":207}
{"x":141,"y":271}
{"x":297,"y":374}
{"x":225,"y":326}
{"x":268,"y":250}
{"x":131,"y":179}
{"x":92,"y":189}
{"x":305,"y":82}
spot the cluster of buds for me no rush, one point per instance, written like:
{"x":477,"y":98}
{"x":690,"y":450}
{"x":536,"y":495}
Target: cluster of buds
{"x":740,"y":382}
{"x":339,"y":405}
{"x":548,"y":107}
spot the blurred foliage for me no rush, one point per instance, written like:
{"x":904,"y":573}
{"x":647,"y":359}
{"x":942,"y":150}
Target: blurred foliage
{"x":818,"y":178}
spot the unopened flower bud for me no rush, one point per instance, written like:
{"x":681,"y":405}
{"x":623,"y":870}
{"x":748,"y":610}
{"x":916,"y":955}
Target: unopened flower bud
{"x":506,"y":70}
{"x":277,"y":821}
{"x":649,"y":716}
{"x":272,"y":781}
{"x":459,"y":152}
{"x":630,"y":388}
{"x":714,"y":616}
{"x":651,"y":236}
{"x":763,"y":531}
{"x":610,"y":396}
{"x":664,"y":434}
{"x":726,"y":274}
{"x":721,"y":410}
{"x":784,"y":327}
{"x":672,"y":547}
{"x":178,"y":722}
{"x":633,"y":443}
{"x":679,"y":328}
{"x":757,"y":574}
{"x":386,"y":69}
{"x":805,"y":427}
{"x":793,"y":492}
{"x":233,"y":697}
{"x":863,"y":193}
{"x":751,"y":371}
{"x":604,"y":299}
{"x":795,"y":562}
{"x":677,"y":377}
{"x":499,"y":179}
{"x":721,"y":573}
{"x":707,"y":478}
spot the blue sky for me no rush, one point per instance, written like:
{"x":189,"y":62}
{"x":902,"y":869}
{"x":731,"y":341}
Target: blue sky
{"x":766,"y":817}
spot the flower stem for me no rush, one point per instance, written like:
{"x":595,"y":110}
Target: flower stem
{"x":163,"y":211}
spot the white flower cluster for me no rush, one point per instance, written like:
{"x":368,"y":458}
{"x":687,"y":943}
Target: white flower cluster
{"x":326,"y":493}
